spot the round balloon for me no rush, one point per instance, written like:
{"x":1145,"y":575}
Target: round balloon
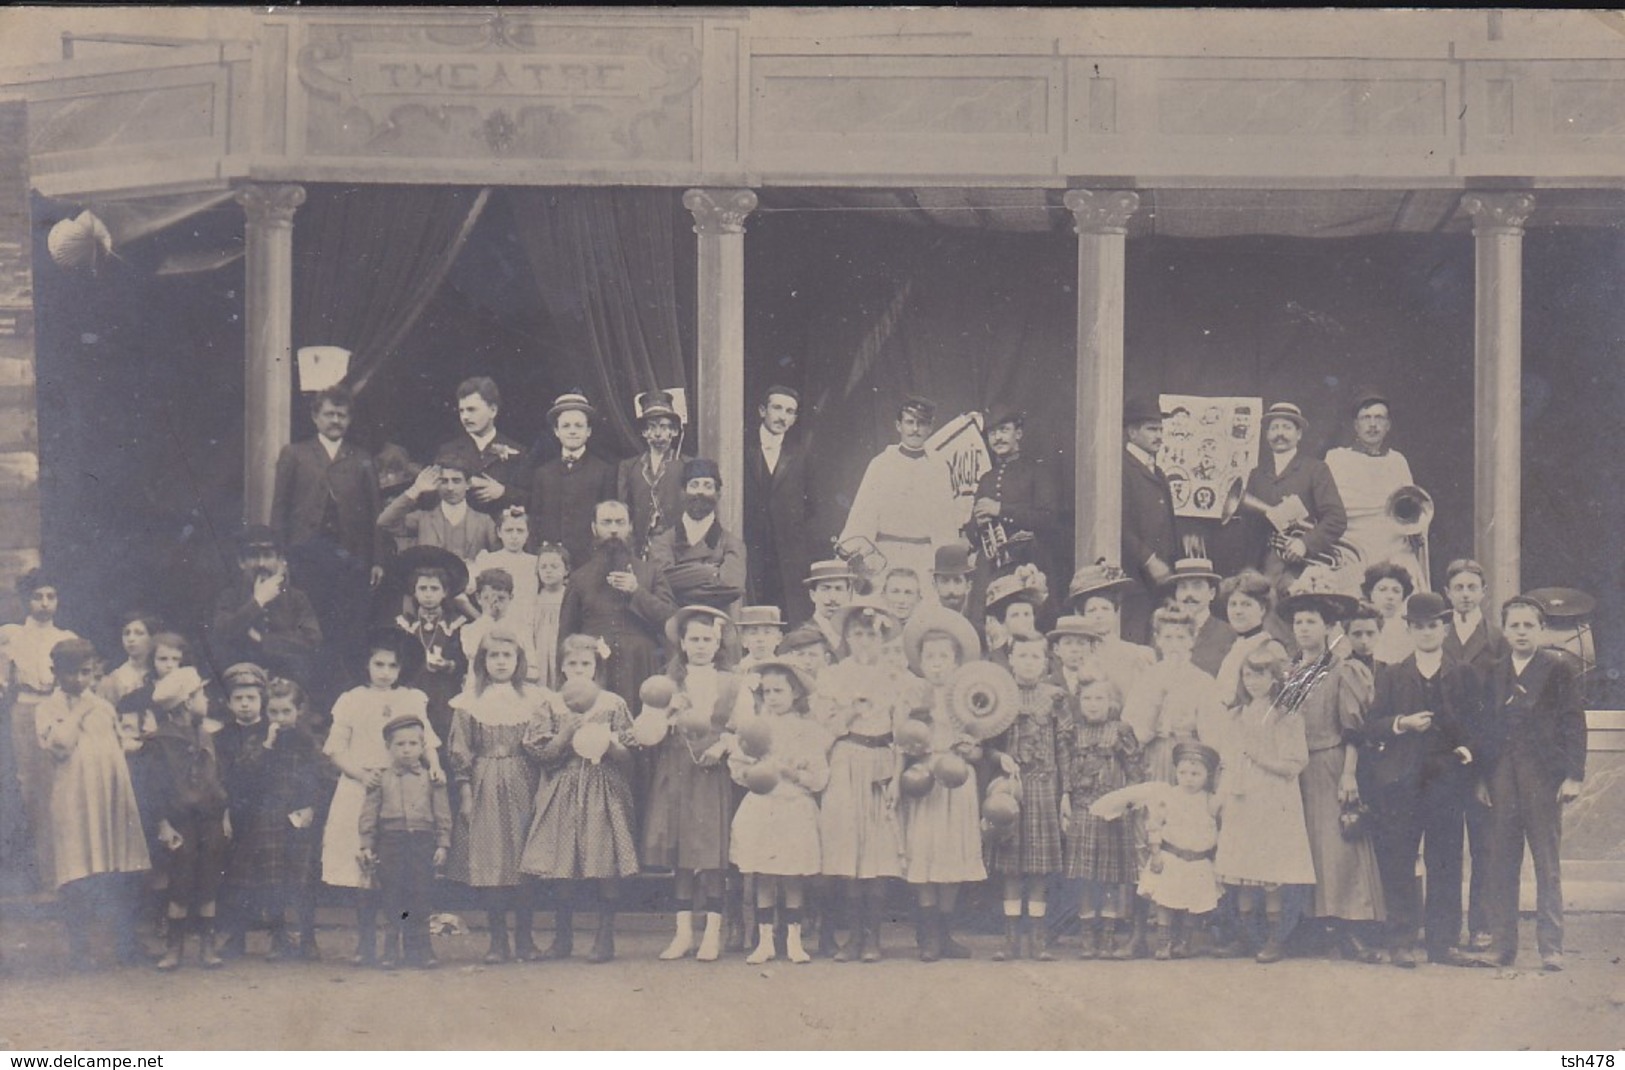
{"x":762,"y":777}
{"x":1004,"y":785}
{"x":916,"y":780}
{"x":755,"y":736}
{"x":914,"y":737}
{"x":579,"y":695}
{"x":592,"y":740}
{"x":657,"y":691}
{"x":951,"y":769}
{"x":1001,"y":810}
{"x":650,"y":727}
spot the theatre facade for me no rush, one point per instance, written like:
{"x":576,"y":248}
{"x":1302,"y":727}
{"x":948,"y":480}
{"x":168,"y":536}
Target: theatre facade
{"x":1146,"y":182}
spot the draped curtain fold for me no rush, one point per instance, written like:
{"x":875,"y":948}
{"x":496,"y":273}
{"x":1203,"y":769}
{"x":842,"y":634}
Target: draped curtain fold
{"x":604,"y":262}
{"x":367,"y":262}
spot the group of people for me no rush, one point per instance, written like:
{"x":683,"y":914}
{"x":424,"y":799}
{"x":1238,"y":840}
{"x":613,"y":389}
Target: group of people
{"x":570,"y":674}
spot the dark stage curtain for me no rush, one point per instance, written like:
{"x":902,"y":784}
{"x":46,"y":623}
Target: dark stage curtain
{"x":604,"y":267}
{"x":368,"y":260}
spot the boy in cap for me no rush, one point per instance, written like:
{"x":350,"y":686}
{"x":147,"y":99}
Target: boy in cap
{"x":704,"y":563}
{"x":565,"y":491}
{"x":650,"y":483}
{"x":406,"y":834}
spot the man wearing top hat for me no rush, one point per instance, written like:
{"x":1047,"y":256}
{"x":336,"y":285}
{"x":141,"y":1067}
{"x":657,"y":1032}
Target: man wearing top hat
{"x":1150,"y":542}
{"x":498,"y":467}
{"x":262,"y":618}
{"x":565,"y":491}
{"x":651,"y":483}
{"x":829,"y":585}
{"x":1421,"y":739}
{"x":1367,"y":474}
{"x":1193,"y":585}
{"x":1015,"y":503}
{"x":1300,"y":491}
{"x":704,"y":564}
{"x":778,"y":505}
{"x":905,"y":504}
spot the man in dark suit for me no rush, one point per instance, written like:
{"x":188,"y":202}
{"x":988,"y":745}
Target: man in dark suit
{"x":704,"y":564}
{"x":1017,"y":497}
{"x":498,"y":467}
{"x":1150,"y":542}
{"x":261,"y":617}
{"x":1300,"y":490}
{"x":1194,"y":585}
{"x":565,"y":491}
{"x":1419,"y":738}
{"x":778,"y":507}
{"x":1535,"y":761}
{"x":323,"y":509}
{"x":651,"y":484}
{"x":1473,"y":640}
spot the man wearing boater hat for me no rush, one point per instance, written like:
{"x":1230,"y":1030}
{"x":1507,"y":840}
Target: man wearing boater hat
{"x":905,"y":504}
{"x":565,"y":491}
{"x":1367,"y":474}
{"x":1285,"y":473}
{"x":1193,"y":585}
{"x":829,"y":584}
{"x":704,"y":564}
{"x":1150,"y":542}
{"x":651,"y":483}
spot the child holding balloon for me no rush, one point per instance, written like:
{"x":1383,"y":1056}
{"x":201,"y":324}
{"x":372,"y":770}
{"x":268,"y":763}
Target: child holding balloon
{"x":782,"y":756}
{"x":495,"y":783}
{"x":690,"y":805}
{"x":582,"y":830}
{"x":940,"y":810}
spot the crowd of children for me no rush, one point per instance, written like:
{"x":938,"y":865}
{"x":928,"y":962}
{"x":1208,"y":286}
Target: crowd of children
{"x":1173,"y":809}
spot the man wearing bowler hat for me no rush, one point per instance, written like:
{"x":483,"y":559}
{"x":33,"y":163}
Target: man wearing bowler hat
{"x":1150,"y":542}
{"x":1306,"y":517}
{"x":778,"y":505}
{"x":651,"y":483}
{"x":704,"y":564}
{"x":1420,"y":738}
{"x":565,"y":491}
{"x":1013,"y":518}
{"x":951,"y":573}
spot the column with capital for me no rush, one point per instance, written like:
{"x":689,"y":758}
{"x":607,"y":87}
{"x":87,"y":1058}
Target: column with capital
{"x":1100,"y":218}
{"x":719,"y":220}
{"x":268,"y":311}
{"x":1498,"y":220}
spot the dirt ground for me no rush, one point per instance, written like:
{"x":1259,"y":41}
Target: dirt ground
{"x":638,"y":1002}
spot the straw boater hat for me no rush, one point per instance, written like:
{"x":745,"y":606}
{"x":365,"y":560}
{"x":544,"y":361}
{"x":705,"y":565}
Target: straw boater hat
{"x":677,"y":621}
{"x":1193,"y":568}
{"x":1070,"y":625}
{"x":759,"y":617}
{"x":1284,"y":410}
{"x":1098,"y":578}
{"x":821,"y":571}
{"x":935,"y":618}
{"x":574,"y":401}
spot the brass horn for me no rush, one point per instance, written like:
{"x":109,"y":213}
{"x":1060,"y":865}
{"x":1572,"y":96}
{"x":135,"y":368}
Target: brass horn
{"x":1411,"y":508}
{"x":1237,"y":501}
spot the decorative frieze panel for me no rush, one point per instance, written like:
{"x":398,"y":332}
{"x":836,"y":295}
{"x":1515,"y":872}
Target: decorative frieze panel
{"x":501,"y":85}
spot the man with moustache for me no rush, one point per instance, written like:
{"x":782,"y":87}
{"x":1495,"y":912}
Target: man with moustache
{"x":1285,"y":474}
{"x":623,"y":601}
{"x":829,"y":587}
{"x":1194,"y":585}
{"x":1150,"y":542}
{"x":649,"y":483}
{"x":951,"y":573}
{"x":1367,"y":474}
{"x":498,"y":467}
{"x":704,"y":564}
{"x":1017,"y":496}
{"x":778,"y":506}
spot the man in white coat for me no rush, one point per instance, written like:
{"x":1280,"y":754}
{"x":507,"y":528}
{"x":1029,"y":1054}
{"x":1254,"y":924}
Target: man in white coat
{"x":1367,"y":474}
{"x":905,"y":504}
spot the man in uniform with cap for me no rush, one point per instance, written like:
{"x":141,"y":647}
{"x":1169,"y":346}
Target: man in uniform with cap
{"x":1367,"y":474}
{"x":704,"y":564}
{"x":1288,"y":474}
{"x":1150,"y":542}
{"x":905,"y":505}
{"x":262,"y":618}
{"x":1420,"y":738}
{"x":778,"y":505}
{"x":1015,"y":503}
{"x":565,"y":491}
{"x":829,"y":585}
{"x":498,"y":467}
{"x":650,"y":483}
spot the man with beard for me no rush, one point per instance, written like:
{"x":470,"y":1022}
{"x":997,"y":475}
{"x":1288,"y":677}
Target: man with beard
{"x":778,"y":506}
{"x":704,"y":564}
{"x":648,"y":483}
{"x":498,"y":467}
{"x":262,"y":618}
{"x":951,"y":579}
{"x":1016,"y":499}
{"x":621,"y":600}
{"x":1287,"y":474}
{"x":1194,"y":586}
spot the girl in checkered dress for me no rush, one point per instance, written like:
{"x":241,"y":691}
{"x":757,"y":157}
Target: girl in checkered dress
{"x":1030,"y":749}
{"x":1102,"y":754}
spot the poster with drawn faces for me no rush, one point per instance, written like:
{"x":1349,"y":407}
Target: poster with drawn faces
{"x":1208,"y":445}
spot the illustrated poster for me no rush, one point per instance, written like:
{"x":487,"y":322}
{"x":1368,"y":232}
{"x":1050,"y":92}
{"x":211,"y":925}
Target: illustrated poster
{"x":1207,"y":443}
